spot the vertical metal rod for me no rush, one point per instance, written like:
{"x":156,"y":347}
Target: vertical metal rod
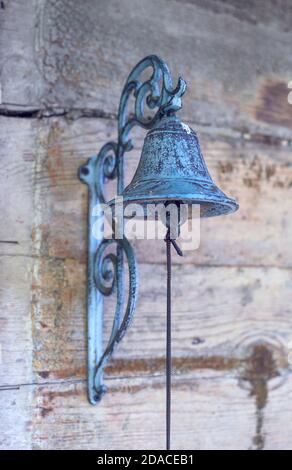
{"x":169,"y":241}
{"x":168,"y":341}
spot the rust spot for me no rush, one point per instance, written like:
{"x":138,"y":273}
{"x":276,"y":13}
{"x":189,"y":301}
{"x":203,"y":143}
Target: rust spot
{"x":72,"y":392}
{"x":182,"y":384}
{"x":54,"y":162}
{"x":256,"y":166}
{"x":273,"y":106}
{"x":33,"y":234}
{"x":270,"y":171}
{"x":46,"y":411}
{"x":134,"y":367}
{"x":253,"y":173}
{"x":250,"y":183}
{"x":266,"y":139}
{"x":76,"y":372}
{"x":279,"y":184}
{"x":44,"y":374}
{"x":180,"y":365}
{"x":260,"y":367}
{"x":225,"y":167}
{"x":257,"y":171}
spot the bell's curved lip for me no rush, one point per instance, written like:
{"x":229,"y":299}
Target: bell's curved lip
{"x":212,"y":200}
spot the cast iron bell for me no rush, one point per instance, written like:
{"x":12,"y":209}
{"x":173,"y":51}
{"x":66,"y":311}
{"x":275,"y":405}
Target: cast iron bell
{"x":172,"y":169}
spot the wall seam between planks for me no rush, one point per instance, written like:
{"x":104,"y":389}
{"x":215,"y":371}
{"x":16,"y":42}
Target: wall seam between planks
{"x":149,"y":263}
{"x":227,"y":374}
{"x":266,"y":138}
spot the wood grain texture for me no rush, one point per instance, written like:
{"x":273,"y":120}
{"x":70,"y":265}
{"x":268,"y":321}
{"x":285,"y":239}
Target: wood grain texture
{"x":132,"y":415}
{"x":206,"y":49}
{"x":17,"y":144}
{"x":235,"y":57}
{"x":15,"y":320}
{"x":225,"y":311}
{"x":20,"y":80}
{"x":258,"y":173}
{"x":17,"y":170}
{"x":276,"y":13}
{"x":16,"y":414}
{"x":62,"y":68}
{"x":209,"y":412}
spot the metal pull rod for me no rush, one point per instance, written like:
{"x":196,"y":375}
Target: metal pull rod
{"x":169,"y":241}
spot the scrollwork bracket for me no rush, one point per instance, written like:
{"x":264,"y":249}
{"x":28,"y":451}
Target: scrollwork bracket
{"x":105,"y":271}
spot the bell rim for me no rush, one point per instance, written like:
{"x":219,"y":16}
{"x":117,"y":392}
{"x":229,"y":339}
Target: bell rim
{"x":220,"y":207}
{"x":184,"y":190}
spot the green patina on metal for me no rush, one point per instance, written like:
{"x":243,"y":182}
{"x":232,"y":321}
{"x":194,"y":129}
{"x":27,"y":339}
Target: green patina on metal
{"x":172,"y":168}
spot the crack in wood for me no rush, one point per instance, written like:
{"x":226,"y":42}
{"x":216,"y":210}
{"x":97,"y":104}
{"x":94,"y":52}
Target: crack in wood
{"x":73,"y":114}
{"x":158,"y":263}
{"x":47,"y":113}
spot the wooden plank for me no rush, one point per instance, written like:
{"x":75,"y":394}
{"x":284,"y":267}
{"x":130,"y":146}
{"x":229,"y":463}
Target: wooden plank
{"x":17,"y":156}
{"x":132,"y":413}
{"x":20,"y":78}
{"x":64,"y":55}
{"x":88,"y":65}
{"x":257,"y":173}
{"x":15,"y":352}
{"x":132,"y":416}
{"x":262,"y":12}
{"x":15,"y":414}
{"x":205,"y":415}
{"x":225,"y":312}
{"x":15,"y":321}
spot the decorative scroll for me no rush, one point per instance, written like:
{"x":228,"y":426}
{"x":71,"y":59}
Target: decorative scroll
{"x":106,"y":270}
{"x":151,"y":93}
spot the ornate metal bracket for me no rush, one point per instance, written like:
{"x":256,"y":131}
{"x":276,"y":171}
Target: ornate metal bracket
{"x":106,"y":271}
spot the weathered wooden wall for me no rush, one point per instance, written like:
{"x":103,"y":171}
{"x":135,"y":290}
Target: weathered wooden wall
{"x":62,"y":67}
